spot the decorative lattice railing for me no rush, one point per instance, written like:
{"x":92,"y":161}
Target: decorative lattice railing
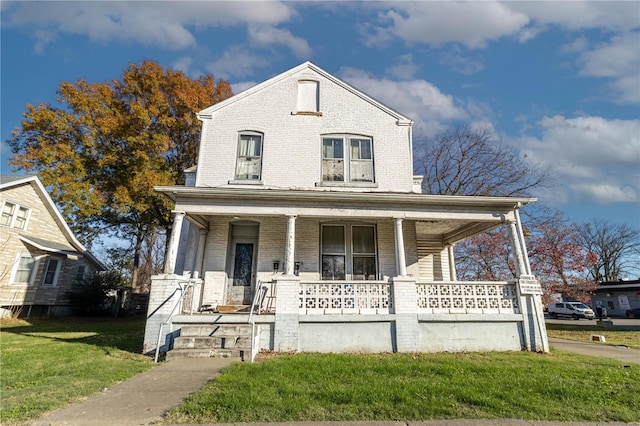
{"x":467,"y":297}
{"x":345,"y":297}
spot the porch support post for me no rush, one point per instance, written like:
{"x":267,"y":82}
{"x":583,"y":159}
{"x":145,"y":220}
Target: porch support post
{"x":453,"y":276}
{"x":174,"y":242}
{"x":405,"y":308}
{"x":290,"y":246}
{"x":199,"y":258}
{"x":522,"y":242}
{"x":533,"y":326}
{"x":401,"y":263}
{"x":287,"y":317}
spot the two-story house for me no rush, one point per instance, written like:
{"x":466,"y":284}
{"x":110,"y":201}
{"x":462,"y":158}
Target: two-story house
{"x":40,"y":258}
{"x":304,"y":207}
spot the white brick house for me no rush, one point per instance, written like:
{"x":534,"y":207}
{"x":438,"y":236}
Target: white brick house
{"x":40,"y":258}
{"x":305,"y":187}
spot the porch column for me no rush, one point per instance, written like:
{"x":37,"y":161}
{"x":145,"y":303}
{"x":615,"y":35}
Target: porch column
{"x":401,"y":263}
{"x":199,"y":258}
{"x":514,"y":240}
{"x":174,"y":242}
{"x":452,"y":264}
{"x":522,"y":242}
{"x":290,"y":245}
{"x":529,"y":294}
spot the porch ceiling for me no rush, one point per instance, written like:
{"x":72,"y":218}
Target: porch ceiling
{"x":446,"y":218}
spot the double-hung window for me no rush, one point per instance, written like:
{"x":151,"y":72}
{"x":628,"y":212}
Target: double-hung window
{"x":347,"y":158}
{"x":14,"y":215}
{"x":24,"y":269}
{"x":348,"y":252}
{"x":249,"y":161}
{"x":51,"y":272}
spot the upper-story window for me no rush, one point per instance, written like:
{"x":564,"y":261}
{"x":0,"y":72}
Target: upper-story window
{"x":308,"y":97}
{"x":14,"y":215}
{"x":353,"y":164}
{"x":249,"y":162}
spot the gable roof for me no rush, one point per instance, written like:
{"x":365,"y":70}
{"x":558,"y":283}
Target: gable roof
{"x":402,"y":119}
{"x":8,"y":181}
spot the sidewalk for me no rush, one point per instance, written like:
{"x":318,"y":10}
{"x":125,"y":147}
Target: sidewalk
{"x":143,"y":399}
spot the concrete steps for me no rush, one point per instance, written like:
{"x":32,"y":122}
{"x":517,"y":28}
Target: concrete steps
{"x":212,"y":340}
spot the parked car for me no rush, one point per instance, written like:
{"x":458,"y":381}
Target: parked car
{"x":575,"y":310}
{"x":633,"y":313}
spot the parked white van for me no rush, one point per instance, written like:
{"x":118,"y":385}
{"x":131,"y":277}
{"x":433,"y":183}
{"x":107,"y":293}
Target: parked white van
{"x":575,"y":310}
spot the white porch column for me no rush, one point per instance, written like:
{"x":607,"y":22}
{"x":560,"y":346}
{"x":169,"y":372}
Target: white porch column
{"x":514,"y":240}
{"x":523,"y":245}
{"x":199,"y":258}
{"x":174,"y":242}
{"x":453,"y":276}
{"x":401,"y":263}
{"x":290,"y":246}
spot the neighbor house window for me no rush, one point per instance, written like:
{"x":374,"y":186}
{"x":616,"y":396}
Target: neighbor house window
{"x":14,"y":215}
{"x":51,"y":272}
{"x":24,"y":269}
{"x":347,"y":158}
{"x":81,"y":272}
{"x":348,"y":252}
{"x":249,"y":162}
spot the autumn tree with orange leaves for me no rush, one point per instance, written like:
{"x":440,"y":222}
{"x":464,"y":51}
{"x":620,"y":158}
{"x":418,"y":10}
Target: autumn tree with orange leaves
{"x":102,"y":147}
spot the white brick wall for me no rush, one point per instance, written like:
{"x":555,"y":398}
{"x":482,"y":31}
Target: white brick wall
{"x":292,"y":151}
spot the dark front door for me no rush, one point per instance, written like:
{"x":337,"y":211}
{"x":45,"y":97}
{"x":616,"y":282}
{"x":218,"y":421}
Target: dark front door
{"x":243,"y":264}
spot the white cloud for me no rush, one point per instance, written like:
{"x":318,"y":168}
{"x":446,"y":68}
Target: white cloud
{"x":163,"y":23}
{"x":420,"y":100}
{"x":619,"y":59}
{"x":266,"y":36}
{"x":405,"y":69}
{"x":594,"y":159}
{"x":236,"y":62}
{"x":472,"y":24}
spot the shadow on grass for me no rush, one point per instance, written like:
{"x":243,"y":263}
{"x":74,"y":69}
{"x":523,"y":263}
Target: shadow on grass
{"x":125,"y":333}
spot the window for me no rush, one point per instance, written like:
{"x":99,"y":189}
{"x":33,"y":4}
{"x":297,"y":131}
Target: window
{"x":348,"y":252}
{"x":51,"y":272}
{"x":308,"y":96}
{"x":24,"y":269}
{"x":14,"y":215}
{"x":81,"y":273}
{"x":354,"y":164}
{"x":249,"y":163}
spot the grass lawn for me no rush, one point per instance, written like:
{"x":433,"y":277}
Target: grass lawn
{"x":48,"y":364}
{"x":555,"y":386}
{"x":582,"y":332}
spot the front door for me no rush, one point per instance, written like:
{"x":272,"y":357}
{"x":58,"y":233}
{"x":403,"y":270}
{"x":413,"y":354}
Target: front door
{"x":241,"y":265}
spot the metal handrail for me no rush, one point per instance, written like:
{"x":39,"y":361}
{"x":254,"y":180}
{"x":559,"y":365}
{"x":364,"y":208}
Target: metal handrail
{"x":168,"y":320}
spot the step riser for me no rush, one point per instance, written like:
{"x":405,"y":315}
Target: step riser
{"x":211,"y":342}
{"x":215,"y":330}
{"x":206,"y":353}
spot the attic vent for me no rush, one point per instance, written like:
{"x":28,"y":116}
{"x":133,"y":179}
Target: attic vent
{"x":308,"y":96}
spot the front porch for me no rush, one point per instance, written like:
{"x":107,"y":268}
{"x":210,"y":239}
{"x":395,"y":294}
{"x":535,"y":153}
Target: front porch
{"x":402,"y":315}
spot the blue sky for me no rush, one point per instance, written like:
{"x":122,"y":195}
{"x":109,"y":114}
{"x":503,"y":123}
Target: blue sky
{"x":559,"y":81}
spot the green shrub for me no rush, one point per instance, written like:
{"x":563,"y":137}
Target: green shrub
{"x":91,"y":296}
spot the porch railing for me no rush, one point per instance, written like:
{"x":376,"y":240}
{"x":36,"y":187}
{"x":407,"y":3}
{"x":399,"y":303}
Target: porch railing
{"x":464,"y":297}
{"x":345,"y":297}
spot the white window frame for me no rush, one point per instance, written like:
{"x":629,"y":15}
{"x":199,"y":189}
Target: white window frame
{"x":348,"y":162}
{"x":348,"y":252}
{"x":34,"y":269}
{"x":56,"y":273}
{"x":13,"y":216}
{"x":308,"y":97}
{"x":237,"y":177}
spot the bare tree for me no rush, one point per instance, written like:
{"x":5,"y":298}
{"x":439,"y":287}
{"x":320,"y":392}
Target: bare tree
{"x":466,"y":161}
{"x":617,"y":247}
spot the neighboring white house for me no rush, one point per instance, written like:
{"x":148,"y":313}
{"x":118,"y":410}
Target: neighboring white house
{"x":304,"y":187}
{"x":40,"y":258}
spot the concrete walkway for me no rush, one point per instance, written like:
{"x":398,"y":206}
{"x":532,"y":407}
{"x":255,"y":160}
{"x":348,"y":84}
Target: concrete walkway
{"x":143,"y":399}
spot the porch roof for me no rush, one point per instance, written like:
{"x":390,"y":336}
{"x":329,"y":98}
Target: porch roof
{"x":451,"y":218}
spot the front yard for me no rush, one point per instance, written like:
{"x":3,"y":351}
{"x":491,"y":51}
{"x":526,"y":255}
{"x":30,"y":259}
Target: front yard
{"x":46,"y":365}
